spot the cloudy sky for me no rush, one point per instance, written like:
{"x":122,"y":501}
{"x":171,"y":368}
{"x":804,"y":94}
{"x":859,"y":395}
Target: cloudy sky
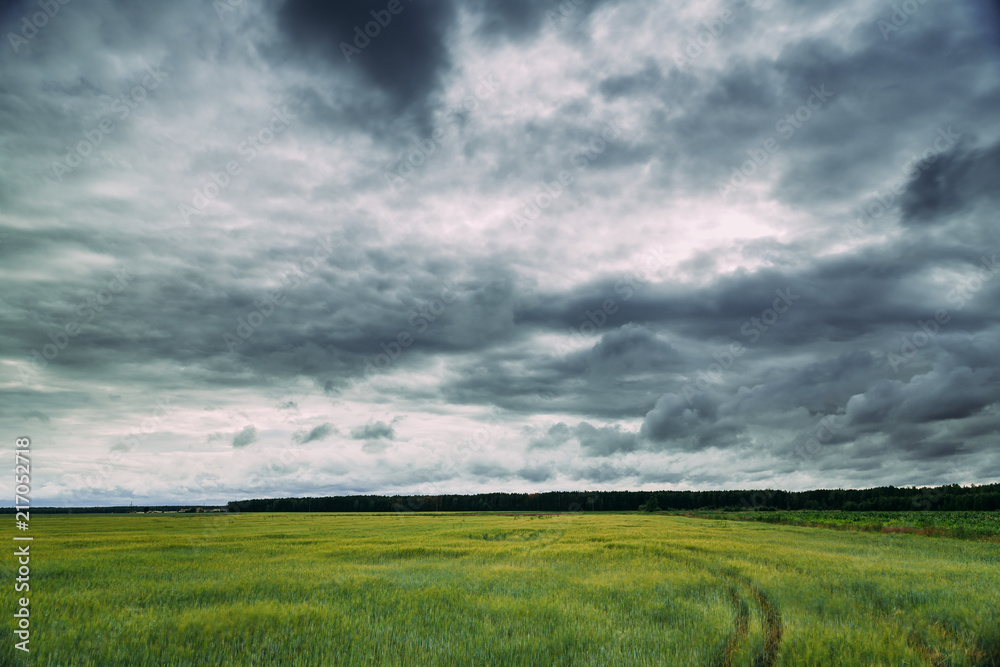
{"x":290,"y":247}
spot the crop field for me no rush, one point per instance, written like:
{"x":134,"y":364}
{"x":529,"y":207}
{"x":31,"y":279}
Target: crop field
{"x":961,"y":525}
{"x":478,"y":589}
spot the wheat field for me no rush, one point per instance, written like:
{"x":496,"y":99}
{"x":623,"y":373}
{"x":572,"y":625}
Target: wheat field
{"x":479,"y":589}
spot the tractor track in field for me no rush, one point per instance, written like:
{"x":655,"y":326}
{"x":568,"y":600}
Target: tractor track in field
{"x":770,"y":617}
{"x":741,"y":628}
{"x":739,"y":589}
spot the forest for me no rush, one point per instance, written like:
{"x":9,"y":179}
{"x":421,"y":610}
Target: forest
{"x":951,"y":497}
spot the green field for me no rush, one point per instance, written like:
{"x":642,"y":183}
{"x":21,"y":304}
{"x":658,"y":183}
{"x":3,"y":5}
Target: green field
{"x":474,"y":589}
{"x":961,"y":525}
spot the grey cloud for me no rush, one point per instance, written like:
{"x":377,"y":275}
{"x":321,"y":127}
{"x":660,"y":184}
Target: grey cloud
{"x":245,"y":437}
{"x":375,"y":446}
{"x":320,"y":432}
{"x":635,"y":83}
{"x":949,"y":182}
{"x":595,"y":441}
{"x":555,"y":436}
{"x":403,"y":55}
{"x":536,"y":474}
{"x":605,"y":473}
{"x":960,"y":392}
{"x":676,"y":416}
{"x":373,"y":431}
{"x":605,"y":441}
{"x":632,"y":348}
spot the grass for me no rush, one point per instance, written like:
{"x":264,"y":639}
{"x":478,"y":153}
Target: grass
{"x":472,"y":589}
{"x":984,"y":526}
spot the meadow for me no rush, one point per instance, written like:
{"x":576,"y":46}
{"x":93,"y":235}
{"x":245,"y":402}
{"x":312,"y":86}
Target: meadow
{"x":487,"y":589}
{"x":961,"y":525}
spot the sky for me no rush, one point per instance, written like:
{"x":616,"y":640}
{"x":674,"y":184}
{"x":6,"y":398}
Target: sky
{"x":281,"y":248}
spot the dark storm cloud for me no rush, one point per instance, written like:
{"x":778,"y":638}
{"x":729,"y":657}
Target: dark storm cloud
{"x":820,"y":387}
{"x":330,"y":324}
{"x":842,"y":301}
{"x":513,"y":18}
{"x":841,"y":297}
{"x":401,"y":51}
{"x":689,"y":422}
{"x":950,"y":182}
{"x":872,"y":92}
{"x":841,"y":147}
{"x":520,"y":20}
{"x":958,"y":393}
{"x":632,"y":346}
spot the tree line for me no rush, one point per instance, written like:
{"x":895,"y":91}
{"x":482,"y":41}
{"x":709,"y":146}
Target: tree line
{"x":886,"y":498}
{"x":952,"y":497}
